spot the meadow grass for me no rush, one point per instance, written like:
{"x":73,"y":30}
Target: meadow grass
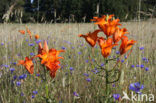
{"x":78,"y":59}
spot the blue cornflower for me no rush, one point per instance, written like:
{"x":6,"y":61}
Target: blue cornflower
{"x":132,"y":66}
{"x":82,"y":44}
{"x":95,"y":71}
{"x":122,"y":61}
{"x":142,"y":66}
{"x":93,"y":60}
{"x":113,"y":85}
{"x":114,"y":48}
{"x":102,"y":64}
{"x":147,"y":69}
{"x":88,"y":80}
{"x":31,"y":44}
{"x":137,"y":65}
{"x":75,"y":94}
{"x":6,"y":66}
{"x":14,"y":63}
{"x":144,"y":59}
{"x":125,"y":57}
{"x":37,"y":74}
{"x":69,"y":42}
{"x":79,"y":53}
{"x":141,"y":48}
{"x":117,"y":52}
{"x":32,"y":96}
{"x":35,"y":92}
{"x":12,"y":69}
{"x":71,"y":68}
{"x":26,"y":40}
{"x":32,"y":54}
{"x":18,"y":83}
{"x":73,"y":47}
{"x":63,"y":48}
{"x":18,"y":54}
{"x":117,"y":59}
{"x":85,"y":74}
{"x":14,"y":77}
{"x":2,"y":43}
{"x":87,"y":61}
{"x":38,"y":41}
{"x":23,"y":76}
{"x":136,"y":87}
{"x":22,"y":94}
{"x":116,"y":96}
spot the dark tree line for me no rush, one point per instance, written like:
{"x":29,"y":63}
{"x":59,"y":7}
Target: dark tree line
{"x":73,"y":10}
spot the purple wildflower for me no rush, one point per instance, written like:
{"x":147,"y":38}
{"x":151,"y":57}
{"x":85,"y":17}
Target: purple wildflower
{"x":23,"y":76}
{"x":137,"y":65}
{"x":88,"y":80}
{"x":122,"y":61}
{"x":117,"y":52}
{"x":37,"y":74}
{"x":85,"y":74}
{"x":32,"y":96}
{"x":136,"y":87}
{"x":18,"y":83}
{"x":141,"y":48}
{"x":35,"y":92}
{"x":75,"y":94}
{"x":12,"y":69}
{"x":125,"y":57}
{"x":32,"y":54}
{"x":142,"y":66}
{"x":116,"y":96}
{"x":147,"y":69}
{"x":71,"y":68}
{"x":38,"y":41}
{"x":102,"y":64}
{"x":132,"y":66}
{"x":87,"y":61}
{"x":22,"y":94}
{"x":63,"y":48}
{"x":2,"y":43}
{"x":31,"y":44}
{"x":79,"y":53}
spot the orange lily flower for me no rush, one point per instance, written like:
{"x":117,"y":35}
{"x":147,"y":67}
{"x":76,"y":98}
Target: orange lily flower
{"x":50,"y":58}
{"x":102,"y":20}
{"x":110,"y":28}
{"x":91,"y":38}
{"x":126,"y":45}
{"x":28,"y":64}
{"x":53,"y":67}
{"x":29,"y":32}
{"x":41,"y":49}
{"x":106,"y":46}
{"x":107,"y":26}
{"x":118,"y":34}
{"x":22,"y":32}
{"x":37,"y":36}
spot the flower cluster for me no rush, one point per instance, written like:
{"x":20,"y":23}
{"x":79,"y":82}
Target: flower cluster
{"x":48,"y":58}
{"x":113,"y":33}
{"x":23,"y":32}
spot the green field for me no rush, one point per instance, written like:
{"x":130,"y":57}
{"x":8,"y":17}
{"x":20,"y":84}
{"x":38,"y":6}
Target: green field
{"x":78,"y":59}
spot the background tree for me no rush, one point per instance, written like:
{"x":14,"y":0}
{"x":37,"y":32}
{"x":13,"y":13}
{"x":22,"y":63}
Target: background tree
{"x":74,"y":10}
